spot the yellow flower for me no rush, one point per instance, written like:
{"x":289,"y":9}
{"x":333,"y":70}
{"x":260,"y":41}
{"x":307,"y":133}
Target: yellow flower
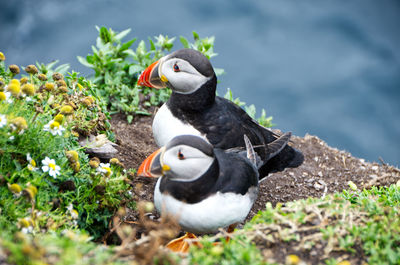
{"x":14,"y":88}
{"x":59,"y":118}
{"x":94,"y":162}
{"x":15,"y":188}
{"x":14,"y":69}
{"x":292,"y":259}
{"x":24,"y":223}
{"x":57,"y":76}
{"x":76,"y":166}
{"x":49,"y":86}
{"x":23,"y":80}
{"x":42,"y":77}
{"x":114,"y":161}
{"x":28,"y":89}
{"x":31,"y":69}
{"x":61,"y":83}
{"x":80,"y":87}
{"x":3,"y":96}
{"x":72,"y":156}
{"x":31,"y":191}
{"x":20,"y":123}
{"x":66,"y":110}
{"x":2,"y":57}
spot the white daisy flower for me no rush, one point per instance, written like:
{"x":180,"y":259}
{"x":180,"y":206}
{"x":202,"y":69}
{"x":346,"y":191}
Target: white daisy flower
{"x":31,"y":163}
{"x":54,"y":128}
{"x":3,"y":120}
{"x":49,"y":165}
{"x":105,"y":169}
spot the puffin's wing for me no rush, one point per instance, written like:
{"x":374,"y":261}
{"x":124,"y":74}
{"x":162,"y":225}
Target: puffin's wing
{"x":251,"y":155}
{"x":274,"y":147}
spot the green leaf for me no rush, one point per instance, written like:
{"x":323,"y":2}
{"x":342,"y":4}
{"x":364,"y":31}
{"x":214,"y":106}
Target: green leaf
{"x":84,"y":62}
{"x":135,"y":68}
{"x":195,"y":35}
{"x":219,"y":71}
{"x":184,"y":42}
{"x":105,"y":35}
{"x":152,"y":46}
{"x":126,"y":45}
{"x":122,"y":34}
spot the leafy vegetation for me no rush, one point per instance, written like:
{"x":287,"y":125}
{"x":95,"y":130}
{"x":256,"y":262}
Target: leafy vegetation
{"x":117,"y":68}
{"x":47,"y":182}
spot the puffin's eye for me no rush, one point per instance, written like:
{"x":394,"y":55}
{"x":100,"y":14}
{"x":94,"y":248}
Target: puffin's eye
{"x":181,"y":156}
{"x":176,"y":68}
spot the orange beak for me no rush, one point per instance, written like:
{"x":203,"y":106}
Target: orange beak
{"x":151,"y":166}
{"x":151,"y":77}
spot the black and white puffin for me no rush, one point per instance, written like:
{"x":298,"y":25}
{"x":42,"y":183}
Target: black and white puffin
{"x":194,"y":108}
{"x":205,"y":188}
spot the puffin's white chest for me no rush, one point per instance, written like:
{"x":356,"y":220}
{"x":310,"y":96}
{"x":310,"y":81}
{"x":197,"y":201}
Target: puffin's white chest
{"x":217,"y":211}
{"x":166,"y":126}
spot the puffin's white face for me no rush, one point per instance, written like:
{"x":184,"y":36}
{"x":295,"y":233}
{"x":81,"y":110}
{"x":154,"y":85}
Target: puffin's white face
{"x":184,"y":163}
{"x":181,"y":75}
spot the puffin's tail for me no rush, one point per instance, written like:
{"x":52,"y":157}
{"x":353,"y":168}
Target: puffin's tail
{"x":288,"y":157}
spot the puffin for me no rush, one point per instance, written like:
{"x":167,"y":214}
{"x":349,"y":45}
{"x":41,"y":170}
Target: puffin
{"x":193,"y":108}
{"x":203,"y":187}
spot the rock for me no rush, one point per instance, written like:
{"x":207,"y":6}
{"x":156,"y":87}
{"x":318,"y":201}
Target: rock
{"x":99,"y":146}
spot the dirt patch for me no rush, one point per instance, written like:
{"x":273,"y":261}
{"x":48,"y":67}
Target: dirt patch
{"x":325,"y":169}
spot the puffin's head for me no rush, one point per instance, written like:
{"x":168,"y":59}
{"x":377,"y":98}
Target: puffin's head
{"x":184,"y":71}
{"x":184,"y":158}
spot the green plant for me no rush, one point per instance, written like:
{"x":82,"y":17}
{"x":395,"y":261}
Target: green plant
{"x":46,"y":181}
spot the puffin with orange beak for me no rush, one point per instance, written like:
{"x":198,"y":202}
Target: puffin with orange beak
{"x":194,"y":108}
{"x":203,"y":187}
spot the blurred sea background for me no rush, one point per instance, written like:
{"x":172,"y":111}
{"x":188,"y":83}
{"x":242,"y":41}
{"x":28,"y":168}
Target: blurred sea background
{"x":327,"y":68}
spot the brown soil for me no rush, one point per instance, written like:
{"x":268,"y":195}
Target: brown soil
{"x":325,"y":169}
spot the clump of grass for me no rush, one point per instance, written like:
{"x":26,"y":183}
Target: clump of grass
{"x":350,"y":226}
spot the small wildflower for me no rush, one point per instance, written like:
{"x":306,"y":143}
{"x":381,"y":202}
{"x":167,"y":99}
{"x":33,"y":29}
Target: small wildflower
{"x":3,"y":120}
{"x":54,"y":128}
{"x":72,"y":156}
{"x":26,"y":225}
{"x":66,"y":110}
{"x":2,"y":96}
{"x":28,"y":89}
{"x":61,"y":83}
{"x":94,"y":162}
{"x":49,"y":165}
{"x":14,"y":69}
{"x":31,"y":192}
{"x":31,"y":69}
{"x":14,"y":88}
{"x":80,"y":87}
{"x":31,"y":163}
{"x":23,"y":80}
{"x":114,"y":161}
{"x":15,"y":188}
{"x":49,"y":86}
{"x":86,"y":102}
{"x":63,"y":89}
{"x":57,"y":76}
{"x":352,"y":185}
{"x":292,"y":259}
{"x":75,"y":133}
{"x":2,"y":57}
{"x":76,"y":166}
{"x":59,"y":118}
{"x":74,"y":213}
{"x":20,"y":124}
{"x":105,"y":169}
{"x":42,"y":77}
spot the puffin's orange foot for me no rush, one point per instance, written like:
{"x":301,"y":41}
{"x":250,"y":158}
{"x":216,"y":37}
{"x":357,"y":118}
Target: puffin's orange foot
{"x":181,"y":244}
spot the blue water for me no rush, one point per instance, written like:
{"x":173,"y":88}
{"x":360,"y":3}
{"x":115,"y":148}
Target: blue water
{"x":329,"y":68}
